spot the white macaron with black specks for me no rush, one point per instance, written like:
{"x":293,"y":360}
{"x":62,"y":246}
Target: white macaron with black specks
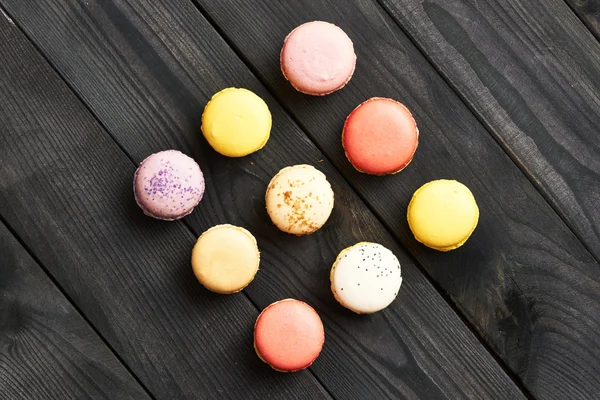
{"x":366,"y":277}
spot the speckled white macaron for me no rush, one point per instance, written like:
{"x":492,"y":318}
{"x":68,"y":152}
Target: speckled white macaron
{"x":366,"y":277}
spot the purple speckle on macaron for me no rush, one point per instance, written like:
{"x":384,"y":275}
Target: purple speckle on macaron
{"x":158,"y":188}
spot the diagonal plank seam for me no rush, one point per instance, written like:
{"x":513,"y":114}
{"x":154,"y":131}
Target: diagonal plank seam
{"x":126,"y":366}
{"x":440,"y":290}
{"x":73,"y":304}
{"x":587,"y":24}
{"x":513,"y":157}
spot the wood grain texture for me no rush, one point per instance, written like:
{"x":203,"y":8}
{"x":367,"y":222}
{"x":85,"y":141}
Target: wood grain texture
{"x":146,"y":70}
{"x":589,"y":13}
{"x":523,"y":280}
{"x":531,"y":72}
{"x":47,"y":350}
{"x":66,"y":190}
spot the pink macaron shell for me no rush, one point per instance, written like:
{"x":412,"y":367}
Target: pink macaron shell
{"x":317,"y":58}
{"x":168,"y":185}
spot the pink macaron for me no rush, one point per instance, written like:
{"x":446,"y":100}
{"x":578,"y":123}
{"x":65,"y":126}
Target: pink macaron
{"x":168,"y":185}
{"x":317,"y":58}
{"x":380,"y":136}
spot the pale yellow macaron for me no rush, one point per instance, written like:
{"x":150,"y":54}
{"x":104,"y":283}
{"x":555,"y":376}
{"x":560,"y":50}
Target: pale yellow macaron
{"x":442,"y":214}
{"x":236,"y":122}
{"x":225,"y":258}
{"x":299,"y":199}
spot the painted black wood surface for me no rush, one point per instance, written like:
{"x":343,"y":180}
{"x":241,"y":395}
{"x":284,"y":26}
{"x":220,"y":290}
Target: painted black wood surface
{"x":531,"y":73}
{"x":589,"y":12}
{"x":66,"y":190}
{"x":145,"y":70}
{"x":523,"y":280}
{"x":47,"y":350}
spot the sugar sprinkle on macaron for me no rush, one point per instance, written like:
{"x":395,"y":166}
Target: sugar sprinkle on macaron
{"x":168,"y":185}
{"x":366,"y":277}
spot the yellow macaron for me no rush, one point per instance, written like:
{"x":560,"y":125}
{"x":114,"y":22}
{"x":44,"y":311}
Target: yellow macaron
{"x":225,"y":258}
{"x":442,"y":214}
{"x":236,"y":122}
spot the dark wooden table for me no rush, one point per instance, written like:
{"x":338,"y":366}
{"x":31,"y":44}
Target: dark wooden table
{"x":99,"y":301}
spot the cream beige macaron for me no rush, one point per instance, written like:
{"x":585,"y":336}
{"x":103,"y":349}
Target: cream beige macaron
{"x":225,"y":259}
{"x":299,"y":199}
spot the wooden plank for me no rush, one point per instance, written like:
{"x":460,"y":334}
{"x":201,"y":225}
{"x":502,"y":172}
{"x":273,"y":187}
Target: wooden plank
{"x":157,"y":65}
{"x":589,"y":13}
{"x":47,"y":350}
{"x":531,"y":72}
{"x":65,"y":189}
{"x":524,"y":280}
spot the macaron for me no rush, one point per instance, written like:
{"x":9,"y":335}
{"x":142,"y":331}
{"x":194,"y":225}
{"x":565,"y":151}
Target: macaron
{"x":288,"y":335}
{"x":236,"y":122}
{"x":225,"y":258}
{"x":317,"y":58}
{"x":442,"y":214}
{"x":168,"y":185}
{"x":299,"y":199}
{"x":366,"y":277}
{"x":380,"y":136}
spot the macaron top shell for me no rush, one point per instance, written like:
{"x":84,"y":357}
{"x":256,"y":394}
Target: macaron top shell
{"x":168,"y":185}
{"x":318,"y":58}
{"x":442,"y":214}
{"x":225,"y":258}
{"x":236,"y":122}
{"x":289,"y":335}
{"x":299,"y":199}
{"x":380,"y":136}
{"x":366,"y":277}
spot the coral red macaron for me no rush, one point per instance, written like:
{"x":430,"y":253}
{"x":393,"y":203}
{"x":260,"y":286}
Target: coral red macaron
{"x":317,"y":58}
{"x":380,"y":136}
{"x":288,"y":335}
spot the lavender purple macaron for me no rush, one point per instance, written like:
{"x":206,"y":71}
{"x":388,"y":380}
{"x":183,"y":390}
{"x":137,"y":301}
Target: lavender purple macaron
{"x":168,"y":185}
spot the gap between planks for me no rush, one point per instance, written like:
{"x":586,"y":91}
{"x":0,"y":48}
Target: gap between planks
{"x":71,"y":302}
{"x":581,"y":16}
{"x":503,"y":146}
{"x":434,"y":284}
{"x":27,"y":249}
